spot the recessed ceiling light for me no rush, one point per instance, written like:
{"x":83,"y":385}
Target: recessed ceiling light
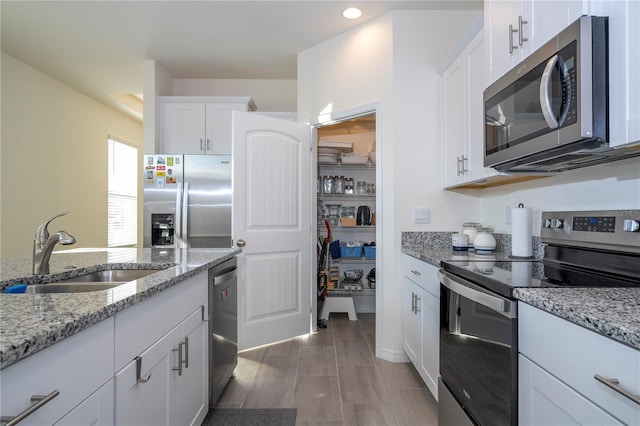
{"x":352,"y":13}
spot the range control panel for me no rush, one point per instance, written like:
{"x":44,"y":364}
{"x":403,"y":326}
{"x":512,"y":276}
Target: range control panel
{"x":594,"y":224}
{"x":606,"y":229}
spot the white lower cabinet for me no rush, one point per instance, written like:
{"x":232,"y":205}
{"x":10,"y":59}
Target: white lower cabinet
{"x":558,"y":364}
{"x":167,"y":383}
{"x":191,"y":389}
{"x":95,"y":410}
{"x":422,"y":319}
{"x":412,"y":321}
{"x":67,"y":372}
{"x":545,"y":400}
{"x":143,"y":398}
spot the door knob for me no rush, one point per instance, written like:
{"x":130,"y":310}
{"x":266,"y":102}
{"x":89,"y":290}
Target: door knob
{"x":241,"y":243}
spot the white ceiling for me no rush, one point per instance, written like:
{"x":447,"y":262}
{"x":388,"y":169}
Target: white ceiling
{"x":98,"y":47}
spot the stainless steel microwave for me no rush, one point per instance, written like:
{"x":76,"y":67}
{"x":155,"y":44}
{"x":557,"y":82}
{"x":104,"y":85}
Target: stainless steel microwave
{"x":550,"y":113}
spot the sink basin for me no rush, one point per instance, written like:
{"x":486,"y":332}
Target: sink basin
{"x":70,"y":287}
{"x":93,"y":281}
{"x":110,"y":276}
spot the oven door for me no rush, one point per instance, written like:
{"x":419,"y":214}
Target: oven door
{"x":478,"y":350}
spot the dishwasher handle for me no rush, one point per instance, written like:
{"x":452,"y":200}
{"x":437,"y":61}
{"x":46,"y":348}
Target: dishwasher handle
{"x":474,"y":292}
{"x":228,"y":275}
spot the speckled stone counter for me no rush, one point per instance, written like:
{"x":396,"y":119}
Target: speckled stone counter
{"x":434,"y":247}
{"x":32,"y":322}
{"x":612,"y":312}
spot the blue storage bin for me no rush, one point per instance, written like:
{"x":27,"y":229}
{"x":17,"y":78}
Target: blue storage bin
{"x":370,"y":252}
{"x":350,"y":251}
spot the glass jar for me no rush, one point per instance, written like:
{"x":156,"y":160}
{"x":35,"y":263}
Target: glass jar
{"x":348,"y":181}
{"x":362,"y":188}
{"x":371,"y":189}
{"x":327,"y":184}
{"x":471,"y":229}
{"x":338,"y":184}
{"x":347,"y":211}
{"x":348,"y":190}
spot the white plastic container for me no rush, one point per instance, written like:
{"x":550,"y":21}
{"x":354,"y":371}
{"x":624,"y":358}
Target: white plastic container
{"x":460,"y":242}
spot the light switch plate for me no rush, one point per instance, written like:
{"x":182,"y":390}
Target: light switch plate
{"x":421,"y":215}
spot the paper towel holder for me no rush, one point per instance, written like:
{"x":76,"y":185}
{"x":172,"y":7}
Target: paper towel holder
{"x":521,"y":206}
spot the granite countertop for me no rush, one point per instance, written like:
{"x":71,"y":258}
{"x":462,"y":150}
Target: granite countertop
{"x":435,"y":255}
{"x":32,"y":322}
{"x":611,"y":312}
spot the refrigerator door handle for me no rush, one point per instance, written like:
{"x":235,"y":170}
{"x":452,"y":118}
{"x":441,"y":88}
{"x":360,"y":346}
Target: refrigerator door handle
{"x":185,"y":216}
{"x":178,"y":227}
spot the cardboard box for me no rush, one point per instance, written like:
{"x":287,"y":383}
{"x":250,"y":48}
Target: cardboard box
{"x":347,"y":221}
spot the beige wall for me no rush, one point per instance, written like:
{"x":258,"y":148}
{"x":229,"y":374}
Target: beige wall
{"x":53,"y":155}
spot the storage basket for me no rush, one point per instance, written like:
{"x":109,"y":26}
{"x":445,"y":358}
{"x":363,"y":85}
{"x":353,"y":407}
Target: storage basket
{"x":350,"y":251}
{"x":370,"y":252}
{"x":327,"y":159}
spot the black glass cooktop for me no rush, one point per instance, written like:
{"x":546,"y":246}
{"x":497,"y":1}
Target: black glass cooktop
{"x":503,"y":276}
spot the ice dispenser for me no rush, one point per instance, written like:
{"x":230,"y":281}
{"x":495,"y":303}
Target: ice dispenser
{"x":162,"y":229}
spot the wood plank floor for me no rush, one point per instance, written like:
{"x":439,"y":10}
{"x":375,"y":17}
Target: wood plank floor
{"x":332,"y":378}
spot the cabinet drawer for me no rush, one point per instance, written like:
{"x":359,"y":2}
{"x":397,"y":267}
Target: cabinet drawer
{"x":574,"y":355}
{"x":543,"y":399}
{"x":76,"y":367}
{"x":139,"y":326}
{"x":421,"y":273}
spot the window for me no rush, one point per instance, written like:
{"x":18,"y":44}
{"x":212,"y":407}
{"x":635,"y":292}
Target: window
{"x":122,"y":195}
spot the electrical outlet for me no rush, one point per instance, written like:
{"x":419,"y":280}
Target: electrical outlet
{"x":507,"y":215}
{"x":421,"y":215}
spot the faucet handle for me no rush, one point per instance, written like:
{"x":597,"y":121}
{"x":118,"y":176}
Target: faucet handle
{"x":42,"y":233}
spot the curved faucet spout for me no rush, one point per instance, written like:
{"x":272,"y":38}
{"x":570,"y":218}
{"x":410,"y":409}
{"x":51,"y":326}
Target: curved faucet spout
{"x":43,"y":245}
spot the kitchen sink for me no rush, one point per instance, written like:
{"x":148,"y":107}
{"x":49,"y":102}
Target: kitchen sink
{"x":92,"y":281}
{"x":109,"y":276}
{"x":70,"y":287}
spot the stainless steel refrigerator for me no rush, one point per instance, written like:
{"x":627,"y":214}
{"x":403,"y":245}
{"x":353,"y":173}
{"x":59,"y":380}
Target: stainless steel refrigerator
{"x":187,"y":200}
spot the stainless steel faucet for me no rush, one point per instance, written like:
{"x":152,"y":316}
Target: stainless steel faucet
{"x":43,"y":245}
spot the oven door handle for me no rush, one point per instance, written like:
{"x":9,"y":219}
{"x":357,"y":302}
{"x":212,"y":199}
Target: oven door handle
{"x":471,"y":291}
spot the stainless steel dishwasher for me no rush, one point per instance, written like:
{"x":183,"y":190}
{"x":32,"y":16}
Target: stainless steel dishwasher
{"x":223,"y":326}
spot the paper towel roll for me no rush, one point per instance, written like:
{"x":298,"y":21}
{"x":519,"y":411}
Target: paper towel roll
{"x":521,"y":225}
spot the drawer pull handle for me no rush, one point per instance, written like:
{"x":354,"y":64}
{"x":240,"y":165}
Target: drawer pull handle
{"x":39,"y":401}
{"x":180,"y":359}
{"x":416,"y":273}
{"x":139,"y":379}
{"x":186,"y":352}
{"x":205,"y":315}
{"x":615,"y":385}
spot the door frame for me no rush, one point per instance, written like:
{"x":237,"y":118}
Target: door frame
{"x":329,"y":119}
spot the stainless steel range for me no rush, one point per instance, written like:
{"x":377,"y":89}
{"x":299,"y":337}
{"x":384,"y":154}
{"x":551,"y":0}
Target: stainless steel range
{"x":478,"y":313}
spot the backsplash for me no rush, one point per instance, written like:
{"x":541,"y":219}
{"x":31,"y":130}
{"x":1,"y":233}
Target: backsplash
{"x":443,"y":240}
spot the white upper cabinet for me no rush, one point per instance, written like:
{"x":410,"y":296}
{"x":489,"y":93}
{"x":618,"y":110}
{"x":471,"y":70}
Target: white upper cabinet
{"x":624,"y":69}
{"x":514,"y":29}
{"x":463,"y":129}
{"x":198,"y":125}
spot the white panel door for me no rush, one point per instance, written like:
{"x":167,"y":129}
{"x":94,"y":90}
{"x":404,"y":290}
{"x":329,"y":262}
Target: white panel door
{"x":272,"y":215}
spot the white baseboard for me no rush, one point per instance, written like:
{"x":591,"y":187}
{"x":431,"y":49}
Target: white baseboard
{"x":392,"y":355}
